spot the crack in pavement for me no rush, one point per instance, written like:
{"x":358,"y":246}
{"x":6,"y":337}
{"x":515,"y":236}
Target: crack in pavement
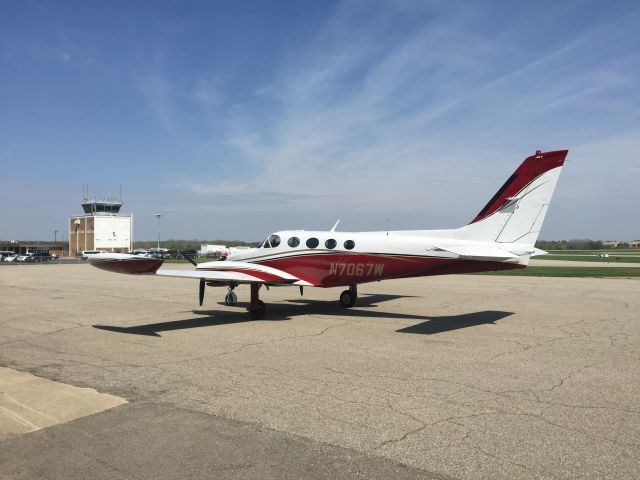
{"x":247,"y":345}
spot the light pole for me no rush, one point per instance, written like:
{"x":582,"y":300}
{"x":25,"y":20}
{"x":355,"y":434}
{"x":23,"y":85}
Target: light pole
{"x":158,"y":215}
{"x":55,"y":236}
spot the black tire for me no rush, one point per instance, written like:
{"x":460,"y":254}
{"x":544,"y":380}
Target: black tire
{"x":230,"y":299}
{"x":347,"y":299}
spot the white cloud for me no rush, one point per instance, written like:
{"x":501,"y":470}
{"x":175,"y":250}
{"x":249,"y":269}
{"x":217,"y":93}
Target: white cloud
{"x":423,"y":123}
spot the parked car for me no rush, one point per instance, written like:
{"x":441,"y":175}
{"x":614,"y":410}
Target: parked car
{"x":10,"y":258}
{"x":87,"y":253}
{"x":40,"y":257}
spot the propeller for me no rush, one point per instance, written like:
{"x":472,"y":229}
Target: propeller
{"x":188,"y":258}
{"x":203,"y":284}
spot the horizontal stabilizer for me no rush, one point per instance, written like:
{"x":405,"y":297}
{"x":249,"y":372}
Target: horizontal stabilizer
{"x":537,"y":251}
{"x":479,"y":251}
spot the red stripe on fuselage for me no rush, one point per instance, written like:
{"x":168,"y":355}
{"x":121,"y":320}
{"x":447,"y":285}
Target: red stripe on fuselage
{"x":341,"y":268}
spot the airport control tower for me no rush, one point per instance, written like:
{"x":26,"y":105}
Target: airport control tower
{"x":102,"y":227}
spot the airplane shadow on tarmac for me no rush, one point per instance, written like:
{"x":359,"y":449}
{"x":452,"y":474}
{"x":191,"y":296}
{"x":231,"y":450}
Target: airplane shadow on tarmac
{"x":455,"y":322}
{"x":293,"y":308}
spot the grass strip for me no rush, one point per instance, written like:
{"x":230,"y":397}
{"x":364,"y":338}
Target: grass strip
{"x":586,"y":272}
{"x":589,"y":258}
{"x":614,"y":251}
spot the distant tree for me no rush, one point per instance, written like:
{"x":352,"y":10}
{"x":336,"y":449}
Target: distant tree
{"x":573,"y":244}
{"x":190,"y":244}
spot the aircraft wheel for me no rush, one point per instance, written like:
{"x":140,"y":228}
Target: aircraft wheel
{"x":260,"y":313}
{"x":231,"y":299}
{"x":347,"y":299}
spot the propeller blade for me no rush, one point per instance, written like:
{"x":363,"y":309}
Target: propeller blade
{"x":188,"y":258}
{"x":202,"y":287}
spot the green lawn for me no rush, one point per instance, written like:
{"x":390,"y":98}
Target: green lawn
{"x":614,"y":251}
{"x":598,"y":272}
{"x":182,"y":260}
{"x":584,"y":257}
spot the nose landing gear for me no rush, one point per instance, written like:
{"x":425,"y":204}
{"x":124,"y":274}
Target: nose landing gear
{"x":348,"y":297}
{"x":230,"y":298}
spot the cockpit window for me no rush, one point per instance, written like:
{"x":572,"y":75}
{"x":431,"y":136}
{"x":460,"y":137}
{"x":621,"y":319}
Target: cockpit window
{"x":272,"y":241}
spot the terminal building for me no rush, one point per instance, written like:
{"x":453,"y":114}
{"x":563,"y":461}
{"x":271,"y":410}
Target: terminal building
{"x":102,"y":227}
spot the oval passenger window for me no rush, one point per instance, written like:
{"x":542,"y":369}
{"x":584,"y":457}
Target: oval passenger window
{"x":313,"y":242}
{"x":293,"y":242}
{"x":331,"y":243}
{"x":349,"y":244}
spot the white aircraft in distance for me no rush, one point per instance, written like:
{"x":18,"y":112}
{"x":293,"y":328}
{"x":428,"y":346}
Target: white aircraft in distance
{"x":500,"y":237}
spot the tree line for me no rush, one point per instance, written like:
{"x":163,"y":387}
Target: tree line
{"x":180,"y":245}
{"x":577,"y":244}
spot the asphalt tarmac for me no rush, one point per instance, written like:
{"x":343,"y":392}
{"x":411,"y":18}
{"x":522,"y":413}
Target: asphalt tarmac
{"x":442,"y":377}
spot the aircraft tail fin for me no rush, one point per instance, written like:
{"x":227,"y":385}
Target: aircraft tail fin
{"x":516,"y":212}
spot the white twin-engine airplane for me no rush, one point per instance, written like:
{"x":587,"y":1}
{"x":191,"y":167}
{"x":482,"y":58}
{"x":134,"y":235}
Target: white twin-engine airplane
{"x":500,"y":237}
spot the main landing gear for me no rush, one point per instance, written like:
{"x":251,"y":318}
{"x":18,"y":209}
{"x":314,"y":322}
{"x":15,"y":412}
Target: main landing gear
{"x":257,"y":308}
{"x":348,"y":297}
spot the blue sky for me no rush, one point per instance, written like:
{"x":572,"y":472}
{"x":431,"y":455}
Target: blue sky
{"x":234,"y":119}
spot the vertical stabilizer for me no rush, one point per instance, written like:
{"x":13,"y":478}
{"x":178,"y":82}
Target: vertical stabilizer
{"x":516,"y":212}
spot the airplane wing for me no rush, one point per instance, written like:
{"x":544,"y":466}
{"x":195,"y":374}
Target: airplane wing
{"x":225,"y":272}
{"x":478,"y":251}
{"x":236,"y":272}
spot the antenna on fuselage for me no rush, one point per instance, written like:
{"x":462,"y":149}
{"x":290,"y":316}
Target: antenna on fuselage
{"x":333,"y":229}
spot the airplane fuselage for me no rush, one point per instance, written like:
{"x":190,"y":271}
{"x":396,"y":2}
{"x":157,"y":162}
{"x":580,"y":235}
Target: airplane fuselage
{"x":332,"y":259}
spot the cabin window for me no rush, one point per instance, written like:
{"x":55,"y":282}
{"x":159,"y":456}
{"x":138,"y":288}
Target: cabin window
{"x":313,"y":242}
{"x":330,"y":244}
{"x":349,"y":244}
{"x":293,"y":242}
